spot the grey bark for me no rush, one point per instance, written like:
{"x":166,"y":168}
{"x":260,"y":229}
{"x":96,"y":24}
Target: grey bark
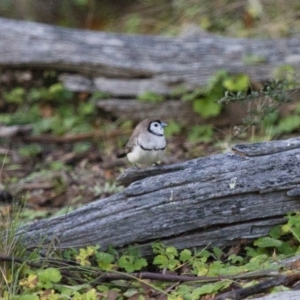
{"x":216,"y":200}
{"x":291,"y":295}
{"x":182,"y":112}
{"x":131,"y":64}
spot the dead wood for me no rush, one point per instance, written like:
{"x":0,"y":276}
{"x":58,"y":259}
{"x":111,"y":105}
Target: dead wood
{"x":128,"y":65}
{"x":291,"y":295}
{"x":261,"y":287}
{"x":215,"y":200}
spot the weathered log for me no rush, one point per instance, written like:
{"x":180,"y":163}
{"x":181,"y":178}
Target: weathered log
{"x":128,"y":65}
{"x":143,"y":63}
{"x":182,"y":112}
{"x":291,"y":295}
{"x":215,"y":200}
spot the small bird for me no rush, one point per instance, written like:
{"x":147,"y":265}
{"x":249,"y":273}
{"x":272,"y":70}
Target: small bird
{"x":147,"y":143}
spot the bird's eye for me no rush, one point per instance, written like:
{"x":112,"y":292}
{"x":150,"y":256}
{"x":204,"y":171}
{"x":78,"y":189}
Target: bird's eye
{"x":155,"y":125}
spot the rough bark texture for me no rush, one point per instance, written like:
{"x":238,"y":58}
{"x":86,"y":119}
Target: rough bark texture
{"x":182,"y":112}
{"x":141,"y":62}
{"x":216,"y":200}
{"x":128,"y":65}
{"x":291,"y":295}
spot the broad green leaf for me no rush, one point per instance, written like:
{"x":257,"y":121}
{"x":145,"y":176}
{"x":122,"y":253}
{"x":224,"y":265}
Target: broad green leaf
{"x":91,"y":295}
{"x":287,"y":124}
{"x":201,"y":133}
{"x":171,"y":252}
{"x":275,"y":232}
{"x":218,"y":252}
{"x":207,"y":107}
{"x":173,"y":264}
{"x":185,"y":255}
{"x":161,"y":261}
{"x":231,"y":270}
{"x":233,"y":258}
{"x":286,"y":248}
{"x":131,"y":263}
{"x":286,"y":228}
{"x":265,"y":242}
{"x":210,"y":288}
{"x":104,"y":260}
{"x":49,"y":274}
{"x":139,"y":263}
{"x":236,"y":83}
{"x":130,"y":292}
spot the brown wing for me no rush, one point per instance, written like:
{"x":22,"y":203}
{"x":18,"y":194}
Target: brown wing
{"x":132,"y":141}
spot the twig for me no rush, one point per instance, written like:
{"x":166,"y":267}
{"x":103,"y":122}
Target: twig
{"x":111,"y":276}
{"x":73,"y":138}
{"x":259,"y":288}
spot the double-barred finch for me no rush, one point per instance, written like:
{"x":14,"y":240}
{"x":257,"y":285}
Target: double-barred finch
{"x":147,"y":143}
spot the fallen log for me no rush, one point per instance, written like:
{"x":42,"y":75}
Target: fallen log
{"x":128,"y":65}
{"x":183,"y":113}
{"x":291,"y":295}
{"x":216,"y":200}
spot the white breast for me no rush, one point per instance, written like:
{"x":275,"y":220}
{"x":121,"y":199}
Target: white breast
{"x":140,"y":156}
{"x":147,"y":157}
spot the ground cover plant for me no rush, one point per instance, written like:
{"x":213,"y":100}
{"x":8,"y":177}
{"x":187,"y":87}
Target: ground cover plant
{"x":77,"y":165}
{"x":89,"y":273}
{"x":58,"y":152}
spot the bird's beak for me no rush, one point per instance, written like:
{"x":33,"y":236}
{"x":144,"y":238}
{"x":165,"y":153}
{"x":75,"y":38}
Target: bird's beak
{"x":163,"y":124}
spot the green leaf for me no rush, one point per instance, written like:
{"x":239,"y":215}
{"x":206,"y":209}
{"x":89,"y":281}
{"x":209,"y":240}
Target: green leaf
{"x":185,"y":255}
{"x":279,"y":288}
{"x":286,"y":248}
{"x":294,"y":219}
{"x":16,"y":95}
{"x":171,"y":252}
{"x":218,"y":252}
{"x":104,"y":260}
{"x":233,"y":258}
{"x":30,"y":150}
{"x":91,"y":295}
{"x":296,"y":233}
{"x":236,"y":83}
{"x":204,"y":254}
{"x":201,"y":133}
{"x":275,"y":232}
{"x":48,"y":276}
{"x":158,"y":248}
{"x":173,"y":264}
{"x":210,"y":288}
{"x":287,"y":124}
{"x":286,"y":228}
{"x":131,"y":263}
{"x":265,"y":242}
{"x":86,"y":108}
{"x":207,"y":107}
{"x":200,"y":268}
{"x":161,"y":261}
{"x":130,"y":292}
{"x":151,"y":97}
{"x":215,"y":267}
{"x":81,"y":147}
{"x":231,"y":270}
{"x":172,"y":128}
